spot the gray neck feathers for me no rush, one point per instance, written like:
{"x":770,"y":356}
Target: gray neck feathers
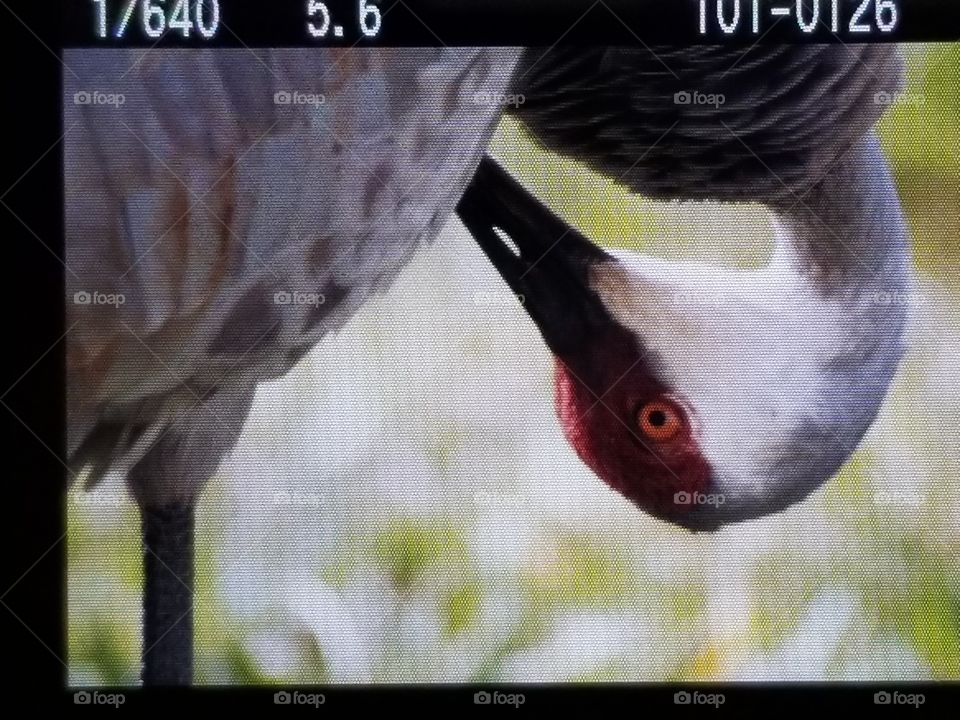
{"x":848,"y":232}
{"x":850,"y":239}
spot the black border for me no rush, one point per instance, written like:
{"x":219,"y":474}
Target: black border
{"x":33,"y":612}
{"x":33,"y":411}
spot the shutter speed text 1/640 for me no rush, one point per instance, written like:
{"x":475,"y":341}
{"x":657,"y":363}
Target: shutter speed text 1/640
{"x":201,"y":19}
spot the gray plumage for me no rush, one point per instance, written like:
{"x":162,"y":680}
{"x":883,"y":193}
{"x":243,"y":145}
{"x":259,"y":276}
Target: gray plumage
{"x":207,"y":204}
{"x":788,"y":113}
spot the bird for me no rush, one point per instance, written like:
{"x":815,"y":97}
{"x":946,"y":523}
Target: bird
{"x":235,"y":207}
{"x":225,"y":210}
{"x":704,"y":394}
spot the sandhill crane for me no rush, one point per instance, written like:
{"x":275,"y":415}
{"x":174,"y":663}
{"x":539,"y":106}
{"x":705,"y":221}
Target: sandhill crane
{"x":235,"y":208}
{"x":704,"y":394}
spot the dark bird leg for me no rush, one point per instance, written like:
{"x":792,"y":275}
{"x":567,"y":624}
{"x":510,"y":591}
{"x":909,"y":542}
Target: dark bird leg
{"x":167,"y":484}
{"x":168,"y":594}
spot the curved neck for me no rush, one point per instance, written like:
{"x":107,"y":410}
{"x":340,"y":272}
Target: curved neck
{"x":842,"y":255}
{"x":847,"y":234}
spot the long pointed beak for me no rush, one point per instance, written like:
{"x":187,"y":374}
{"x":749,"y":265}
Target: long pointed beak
{"x":549,"y":266}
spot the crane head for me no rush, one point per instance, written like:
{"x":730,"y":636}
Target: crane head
{"x":698,"y":419}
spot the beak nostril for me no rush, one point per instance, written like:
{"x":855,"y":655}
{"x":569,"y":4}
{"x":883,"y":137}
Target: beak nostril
{"x":507,"y":240}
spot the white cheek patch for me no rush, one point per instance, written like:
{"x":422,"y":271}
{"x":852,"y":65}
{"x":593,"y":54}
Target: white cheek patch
{"x":745,"y":349}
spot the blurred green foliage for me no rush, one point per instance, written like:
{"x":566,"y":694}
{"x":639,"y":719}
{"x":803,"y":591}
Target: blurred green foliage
{"x":410,"y":546}
{"x":921,"y":134}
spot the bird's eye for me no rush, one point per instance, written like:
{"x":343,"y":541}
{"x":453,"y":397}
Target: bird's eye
{"x":659,"y":420}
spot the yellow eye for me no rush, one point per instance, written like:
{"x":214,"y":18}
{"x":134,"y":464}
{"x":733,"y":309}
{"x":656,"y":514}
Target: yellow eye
{"x":659,"y":420}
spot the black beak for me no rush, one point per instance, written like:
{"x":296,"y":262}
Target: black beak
{"x":550,"y":268}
